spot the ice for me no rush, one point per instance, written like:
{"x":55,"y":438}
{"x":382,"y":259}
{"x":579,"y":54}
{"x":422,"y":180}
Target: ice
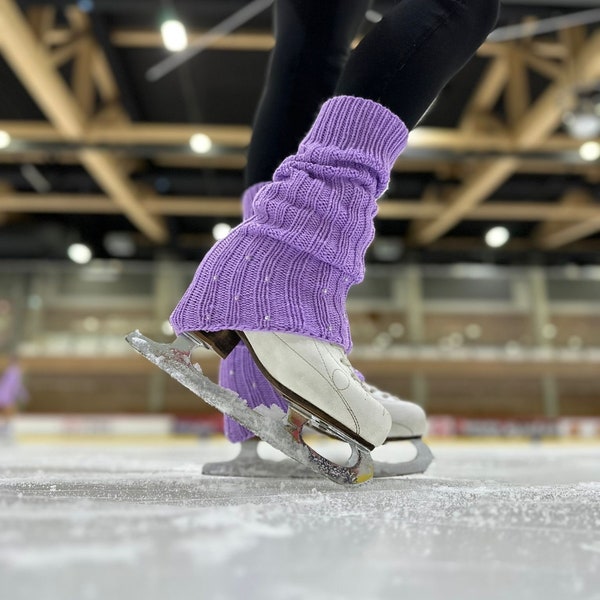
{"x":485,"y":522}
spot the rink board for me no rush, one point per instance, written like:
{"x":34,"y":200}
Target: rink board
{"x":171,"y":425}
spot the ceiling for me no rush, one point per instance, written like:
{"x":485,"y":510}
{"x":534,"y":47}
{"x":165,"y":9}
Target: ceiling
{"x":99,"y":154}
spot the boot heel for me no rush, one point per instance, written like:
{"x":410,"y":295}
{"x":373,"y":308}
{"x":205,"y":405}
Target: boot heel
{"x":222,"y":342}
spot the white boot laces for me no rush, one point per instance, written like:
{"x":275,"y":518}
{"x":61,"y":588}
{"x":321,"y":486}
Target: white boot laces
{"x":374,"y":391}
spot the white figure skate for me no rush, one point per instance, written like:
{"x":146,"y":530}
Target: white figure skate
{"x":315,"y":379}
{"x":409,"y":423}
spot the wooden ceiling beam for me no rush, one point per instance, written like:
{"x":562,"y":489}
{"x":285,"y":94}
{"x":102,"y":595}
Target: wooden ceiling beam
{"x":501,"y":210}
{"x":33,"y":65}
{"x":63,"y":54}
{"x":128,"y":134}
{"x":531,"y":130}
{"x":82,"y":81}
{"x":151,"y":38}
{"x":546,"y":67}
{"x":31,"y":131}
{"x":101,"y":72}
{"x":104,"y":78}
{"x":232,"y":161}
{"x":549,"y":49}
{"x":41,"y":19}
{"x":224,"y":206}
{"x":433,"y":138}
{"x":517,"y":96}
{"x":238,"y":136}
{"x":573,"y":200}
{"x":5,"y":190}
{"x":235,"y":136}
{"x":252,"y":41}
{"x":474,"y":189}
{"x":487,"y":92}
{"x":453,"y":167}
{"x":202,"y":206}
{"x":551,"y":234}
{"x":570,"y":233}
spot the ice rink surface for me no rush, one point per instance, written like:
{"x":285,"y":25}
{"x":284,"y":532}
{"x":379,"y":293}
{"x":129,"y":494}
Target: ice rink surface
{"x":113,"y":522}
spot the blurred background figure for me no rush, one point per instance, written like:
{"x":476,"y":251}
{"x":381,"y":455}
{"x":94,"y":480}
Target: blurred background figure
{"x":12,"y":391}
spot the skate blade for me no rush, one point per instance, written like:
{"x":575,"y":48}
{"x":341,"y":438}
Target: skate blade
{"x":283,"y":434}
{"x":419,"y":464}
{"x":249,"y":463}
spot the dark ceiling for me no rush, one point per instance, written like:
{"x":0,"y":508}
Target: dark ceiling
{"x":222,"y":87}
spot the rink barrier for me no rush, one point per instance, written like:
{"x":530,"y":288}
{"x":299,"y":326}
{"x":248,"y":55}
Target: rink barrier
{"x":208,"y":425}
{"x":563,"y":427}
{"x":115,"y":425}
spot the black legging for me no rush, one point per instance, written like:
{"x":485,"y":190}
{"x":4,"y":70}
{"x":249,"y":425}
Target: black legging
{"x":402,"y":63}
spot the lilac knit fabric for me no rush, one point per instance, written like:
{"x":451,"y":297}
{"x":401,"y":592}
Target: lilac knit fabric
{"x":248,"y":199}
{"x":238,"y":372}
{"x":11,"y":386}
{"x":289,"y":267}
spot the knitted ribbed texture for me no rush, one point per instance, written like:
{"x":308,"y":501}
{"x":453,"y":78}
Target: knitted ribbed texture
{"x":248,"y":199}
{"x":238,"y":372}
{"x":289,"y":267}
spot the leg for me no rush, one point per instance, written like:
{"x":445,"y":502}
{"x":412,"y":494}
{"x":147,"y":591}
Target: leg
{"x":410,"y":55}
{"x":396,"y":64}
{"x":279,"y":281}
{"x":312,"y":44}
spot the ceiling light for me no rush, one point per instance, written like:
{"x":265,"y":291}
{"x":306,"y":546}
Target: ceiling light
{"x":79,"y":253}
{"x":497,"y":237}
{"x":200,"y":143}
{"x":373,"y":16}
{"x":583,"y":125}
{"x":120,"y":243}
{"x":4,"y":139}
{"x":583,"y":122}
{"x":221,"y":230}
{"x":174,"y":35}
{"x":86,"y":6}
{"x":590,"y":151}
{"x":35,"y":178}
{"x":387,"y":249}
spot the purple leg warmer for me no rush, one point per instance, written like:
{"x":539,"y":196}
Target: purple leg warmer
{"x":238,"y":372}
{"x":289,"y":267}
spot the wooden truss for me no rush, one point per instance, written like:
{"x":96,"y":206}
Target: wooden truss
{"x":86,"y":124}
